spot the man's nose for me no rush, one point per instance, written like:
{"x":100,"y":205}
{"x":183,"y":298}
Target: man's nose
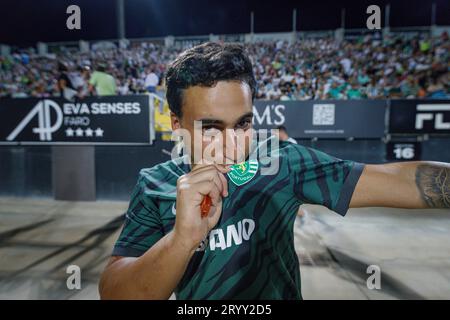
{"x":233,"y":144}
{"x":229,"y":144}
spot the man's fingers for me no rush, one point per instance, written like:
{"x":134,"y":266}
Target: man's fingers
{"x":200,"y":167}
{"x":224,"y":184}
{"x":206,"y":166}
{"x":223,"y":168}
{"x":209,"y":175}
{"x":209,"y":188}
{"x":209,"y":171}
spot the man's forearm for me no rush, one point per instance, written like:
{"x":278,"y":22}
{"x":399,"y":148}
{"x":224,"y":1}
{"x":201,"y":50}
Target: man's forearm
{"x":433,"y":182}
{"x":412,"y":185}
{"x":154,"y":275}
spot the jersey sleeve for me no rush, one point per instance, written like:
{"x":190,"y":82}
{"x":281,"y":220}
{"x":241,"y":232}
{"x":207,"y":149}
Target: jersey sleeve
{"x":142,"y":227}
{"x":319,"y":178}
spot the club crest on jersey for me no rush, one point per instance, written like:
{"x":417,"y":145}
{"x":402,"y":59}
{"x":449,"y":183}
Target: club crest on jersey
{"x":242,"y":173}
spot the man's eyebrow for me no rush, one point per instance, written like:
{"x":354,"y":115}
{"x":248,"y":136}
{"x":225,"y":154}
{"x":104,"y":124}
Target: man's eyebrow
{"x":206,"y":122}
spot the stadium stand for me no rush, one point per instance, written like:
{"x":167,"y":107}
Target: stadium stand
{"x":367,"y":67}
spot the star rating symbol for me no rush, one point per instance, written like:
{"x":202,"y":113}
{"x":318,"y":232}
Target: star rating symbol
{"x":79,"y":132}
{"x":99,"y":132}
{"x":89,"y":132}
{"x":69,"y":132}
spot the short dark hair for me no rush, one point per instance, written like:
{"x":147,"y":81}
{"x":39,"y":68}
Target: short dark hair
{"x":101,"y":67}
{"x":282,"y":128}
{"x":205,"y":65}
{"x":62,"y":66}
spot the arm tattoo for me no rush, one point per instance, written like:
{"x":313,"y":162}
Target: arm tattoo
{"x":433,"y":182}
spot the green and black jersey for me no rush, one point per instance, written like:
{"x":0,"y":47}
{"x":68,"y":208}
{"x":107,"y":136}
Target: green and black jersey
{"x":250,"y":254}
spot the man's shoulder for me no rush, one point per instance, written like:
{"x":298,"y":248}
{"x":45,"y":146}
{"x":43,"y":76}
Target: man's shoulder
{"x":274,"y":145}
{"x":109,"y":76}
{"x":284,"y":152}
{"x":93,"y":76}
{"x":304,"y":155}
{"x":164,"y":173}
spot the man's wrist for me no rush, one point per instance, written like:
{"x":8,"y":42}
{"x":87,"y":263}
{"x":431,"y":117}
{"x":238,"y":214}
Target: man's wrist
{"x":180,"y":243}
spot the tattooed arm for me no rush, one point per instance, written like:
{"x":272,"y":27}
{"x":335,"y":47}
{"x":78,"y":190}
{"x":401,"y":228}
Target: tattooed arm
{"x":433,"y":181}
{"x":418,"y":184}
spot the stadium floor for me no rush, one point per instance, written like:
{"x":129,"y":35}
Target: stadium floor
{"x":39,"y":238}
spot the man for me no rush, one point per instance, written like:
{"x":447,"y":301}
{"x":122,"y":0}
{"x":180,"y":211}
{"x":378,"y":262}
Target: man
{"x":65,"y":84}
{"x":244,"y":248}
{"x":151,"y":81}
{"x":284,"y":136}
{"x":103,"y":83}
{"x":85,"y":75}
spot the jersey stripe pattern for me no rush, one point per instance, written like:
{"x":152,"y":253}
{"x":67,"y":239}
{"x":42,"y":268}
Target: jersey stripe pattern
{"x":250,"y":253}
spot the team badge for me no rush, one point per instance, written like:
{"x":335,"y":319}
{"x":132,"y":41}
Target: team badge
{"x":243,"y":172}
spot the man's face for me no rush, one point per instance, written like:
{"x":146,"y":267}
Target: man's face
{"x":282,"y":135}
{"x":225,"y":132}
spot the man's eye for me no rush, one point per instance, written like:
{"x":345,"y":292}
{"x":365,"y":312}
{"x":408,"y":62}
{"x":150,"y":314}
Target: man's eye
{"x":244,"y":124}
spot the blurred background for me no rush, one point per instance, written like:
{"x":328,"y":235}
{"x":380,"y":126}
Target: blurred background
{"x":82,"y":110}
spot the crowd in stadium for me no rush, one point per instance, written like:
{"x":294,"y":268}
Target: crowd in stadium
{"x":395,"y":67}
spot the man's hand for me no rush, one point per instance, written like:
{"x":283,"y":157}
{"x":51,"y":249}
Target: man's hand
{"x":190,"y":228}
{"x":156,"y":273}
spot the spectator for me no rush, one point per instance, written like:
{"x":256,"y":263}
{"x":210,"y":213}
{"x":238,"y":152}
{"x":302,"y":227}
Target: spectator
{"x":375,"y":68}
{"x":85,"y":74}
{"x":151,"y":81}
{"x":103,"y":83}
{"x":353,"y":92}
{"x":283,"y":135}
{"x":65,"y":83}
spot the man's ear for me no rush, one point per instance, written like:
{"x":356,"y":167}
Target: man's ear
{"x":175,"y":121}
